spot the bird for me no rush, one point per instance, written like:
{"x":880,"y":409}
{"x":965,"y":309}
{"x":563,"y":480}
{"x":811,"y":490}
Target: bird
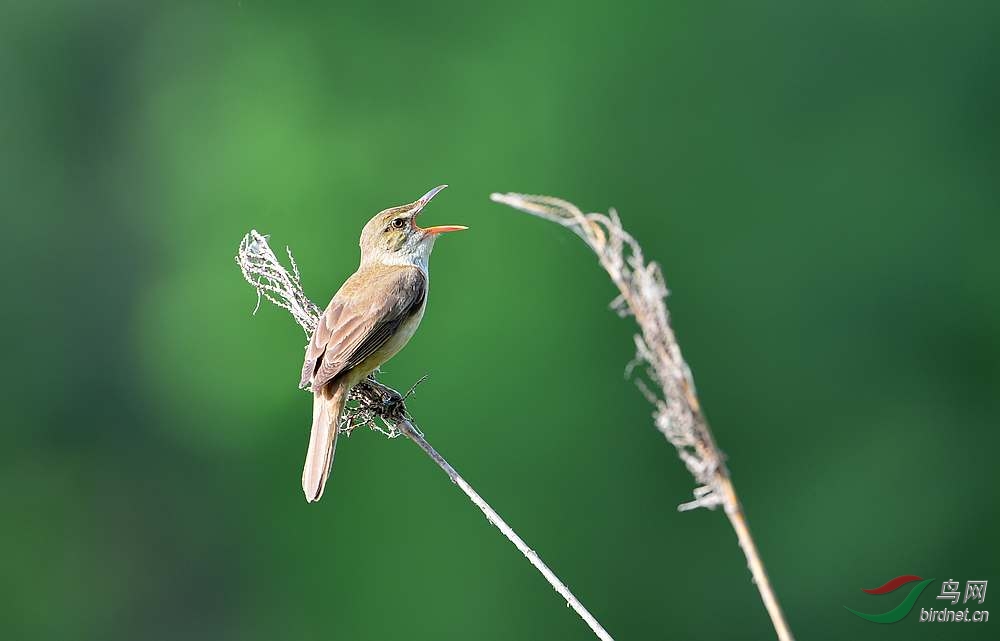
{"x":369,"y":320}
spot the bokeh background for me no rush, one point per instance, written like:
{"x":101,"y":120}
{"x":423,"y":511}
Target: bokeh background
{"x":819,"y":181}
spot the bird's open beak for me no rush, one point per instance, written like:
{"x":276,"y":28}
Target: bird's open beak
{"x":440,"y":229}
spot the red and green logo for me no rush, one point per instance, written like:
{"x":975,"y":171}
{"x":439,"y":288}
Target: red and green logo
{"x":901,"y":610}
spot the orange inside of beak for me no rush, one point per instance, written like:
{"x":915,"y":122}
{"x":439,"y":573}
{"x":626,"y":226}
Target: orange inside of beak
{"x":443,"y":229}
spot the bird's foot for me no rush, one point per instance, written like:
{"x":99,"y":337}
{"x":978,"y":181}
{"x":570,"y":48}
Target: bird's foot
{"x":388,"y":401}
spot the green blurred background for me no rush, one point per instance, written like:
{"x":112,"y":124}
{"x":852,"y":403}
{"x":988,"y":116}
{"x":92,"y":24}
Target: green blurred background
{"x":819,"y":181}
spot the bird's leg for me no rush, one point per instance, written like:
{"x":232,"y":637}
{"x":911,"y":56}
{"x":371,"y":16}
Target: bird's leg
{"x":387,"y":403}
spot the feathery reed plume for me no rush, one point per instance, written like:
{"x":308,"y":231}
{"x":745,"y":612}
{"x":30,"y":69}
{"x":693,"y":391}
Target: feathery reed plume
{"x":374,"y":405}
{"x":670,"y":388}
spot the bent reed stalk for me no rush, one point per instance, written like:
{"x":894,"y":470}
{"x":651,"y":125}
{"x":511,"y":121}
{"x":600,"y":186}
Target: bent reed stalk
{"x":670,"y":387}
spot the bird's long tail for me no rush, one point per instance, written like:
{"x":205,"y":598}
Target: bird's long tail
{"x":328,"y":404}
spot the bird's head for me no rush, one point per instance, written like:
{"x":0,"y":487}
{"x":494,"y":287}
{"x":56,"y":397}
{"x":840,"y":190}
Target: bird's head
{"x":392,"y":237}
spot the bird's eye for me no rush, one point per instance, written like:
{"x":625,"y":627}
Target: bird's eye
{"x":397,"y":223}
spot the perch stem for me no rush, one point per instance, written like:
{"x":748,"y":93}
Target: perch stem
{"x":407,"y":428}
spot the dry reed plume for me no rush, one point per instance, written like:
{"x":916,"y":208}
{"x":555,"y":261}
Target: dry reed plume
{"x":670,"y":388}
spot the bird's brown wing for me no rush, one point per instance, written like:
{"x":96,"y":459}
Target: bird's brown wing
{"x":363,"y":315}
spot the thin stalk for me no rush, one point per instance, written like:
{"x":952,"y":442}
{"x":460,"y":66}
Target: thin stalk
{"x":414,"y":435}
{"x":737,"y":518}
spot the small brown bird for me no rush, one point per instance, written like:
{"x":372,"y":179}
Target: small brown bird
{"x":369,"y":320}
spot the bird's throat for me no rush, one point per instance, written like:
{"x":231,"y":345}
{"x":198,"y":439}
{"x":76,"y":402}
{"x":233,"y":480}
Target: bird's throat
{"x":418,"y":257}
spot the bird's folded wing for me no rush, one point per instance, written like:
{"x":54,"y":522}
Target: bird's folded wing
{"x":363,"y":315}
